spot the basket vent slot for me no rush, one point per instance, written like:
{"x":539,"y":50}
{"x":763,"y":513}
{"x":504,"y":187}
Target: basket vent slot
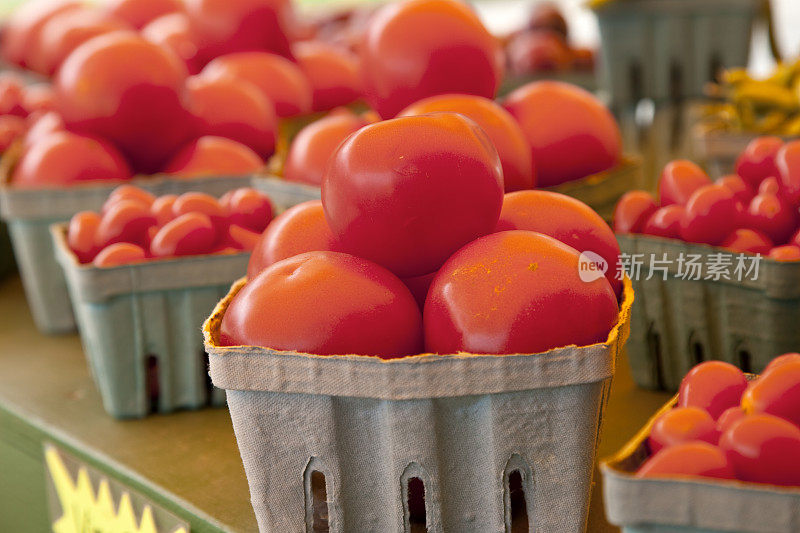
{"x":745,"y":360}
{"x":417,"y":519}
{"x":151,"y":382}
{"x":519,"y":494}
{"x":654,"y":347}
{"x":316,"y":490}
{"x":519,"y":507}
{"x":697,"y":352}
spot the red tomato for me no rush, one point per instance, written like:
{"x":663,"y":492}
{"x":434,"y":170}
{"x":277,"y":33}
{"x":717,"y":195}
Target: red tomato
{"x":758,"y":160}
{"x":665,"y":222}
{"x":729,"y":417}
{"x":21,"y":30}
{"x":281,"y":81}
{"x":681,"y":425}
{"x":162,"y":208}
{"x":332,"y":72}
{"x":297,"y":230}
{"x":428,"y":185}
{"x":12,"y":94}
{"x":780,"y":361}
{"x":39,"y":97}
{"x":776,"y":393}
{"x":64,"y":32}
{"x":565,"y":219}
{"x":214,"y":156}
{"x":741,"y":190}
{"x":713,"y":386}
{"x":633,"y":211}
{"x":234,"y":109}
{"x":241,"y":238}
{"x":226,"y":26}
{"x":542,"y":51}
{"x":419,"y":286}
{"x":570,"y":133}
{"x":788,"y":252}
{"x":127,"y":89}
{"x":249,"y":209}
{"x":81,"y":235}
{"x":175,"y":32}
{"x":138,"y":13}
{"x":325,"y":303}
{"x":128,"y":192}
{"x":419,"y":48}
{"x":748,"y":241}
{"x":787,"y":161}
{"x":679,"y":180}
{"x":121,"y":253}
{"x":692,"y":459}
{"x":769,"y":186}
{"x":125,"y":221}
{"x":189,"y":234}
{"x":772,"y":216}
{"x":764,"y":449}
{"x":200,"y":202}
{"x":12,"y":128}
{"x":63,"y":158}
{"x":515,"y":292}
{"x":546,"y":16}
{"x":42,"y":125}
{"x":499,"y":125}
{"x":712,"y":213}
{"x":313,"y":145}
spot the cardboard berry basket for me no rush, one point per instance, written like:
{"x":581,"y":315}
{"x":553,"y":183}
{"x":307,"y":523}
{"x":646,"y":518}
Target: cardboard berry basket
{"x":463,"y":425}
{"x":30,"y":212}
{"x":285,"y":193}
{"x":682,"y":321}
{"x":718,"y":150}
{"x":690,"y":505}
{"x":140,"y":327}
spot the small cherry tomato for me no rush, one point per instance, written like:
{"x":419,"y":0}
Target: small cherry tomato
{"x":513,"y":292}
{"x":729,"y":417}
{"x":214,"y":156}
{"x":332,"y":72}
{"x":788,"y":252}
{"x":39,"y":98}
{"x":297,"y":230}
{"x":325,"y":303}
{"x":125,"y":221}
{"x":713,"y":386}
{"x":780,"y":361}
{"x":748,"y":241}
{"x":787,"y":161}
{"x":497,"y":123}
{"x":776,"y":393}
{"x":543,"y":51}
{"x":758,"y":160}
{"x":12,"y":94}
{"x":665,"y":222}
{"x":712,"y":213}
{"x":741,"y":190}
{"x":772,"y":216}
{"x":427,"y":185}
{"x":769,"y":186}
{"x":23,"y":27}
{"x":679,"y":180}
{"x":189,"y":234}
{"x":681,"y":425}
{"x":138,"y":13}
{"x":175,"y":32}
{"x":691,"y":459}
{"x":418,"y":48}
{"x":633,"y":211}
{"x":241,"y":238}
{"x":41,"y":125}
{"x":199,"y":202}
{"x":162,"y":208}
{"x":82,"y":235}
{"x":249,"y":209}
{"x":764,"y":449}
{"x":128,"y":192}
{"x":121,"y":253}
{"x":12,"y":128}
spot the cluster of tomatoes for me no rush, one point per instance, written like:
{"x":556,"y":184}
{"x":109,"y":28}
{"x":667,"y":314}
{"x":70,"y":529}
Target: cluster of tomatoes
{"x":726,"y":427}
{"x":392,"y":263}
{"x":753,"y":211}
{"x":135,"y":226}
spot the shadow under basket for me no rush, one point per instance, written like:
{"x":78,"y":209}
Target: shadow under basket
{"x":690,"y":505}
{"x":459,"y":442}
{"x":140,"y":327}
{"x":678,"y":323}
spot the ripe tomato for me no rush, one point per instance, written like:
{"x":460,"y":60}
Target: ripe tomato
{"x":788,"y":252}
{"x":209,"y":156}
{"x":772,"y":216}
{"x":22,"y":29}
{"x":12,"y":128}
{"x":780,"y":361}
{"x":681,"y":425}
{"x":570,"y":133}
{"x":39,"y":98}
{"x":633,"y":211}
{"x":713,"y":386}
{"x":515,"y":292}
{"x":776,"y":393}
{"x":126,"y":89}
{"x":42,"y":125}
{"x":236,"y":110}
{"x":12,"y":95}
{"x":712,"y":213}
{"x":138,"y":13}
{"x":313,"y":145}
{"x":427,"y":185}
{"x":200,"y":202}
{"x":162,"y":208}
{"x":764,"y":449}
{"x":729,"y":417}
{"x":240,"y":238}
{"x":543,"y":51}
{"x":748,"y":241}
{"x":325,"y":303}
{"x":121,"y":253}
{"x":175,"y":32}
{"x":565,"y":219}
{"x":758,"y":160}
{"x":128,"y":192}
{"x":665,"y":222}
{"x":248,"y":208}
{"x":419,"y":48}
{"x":741,"y":190}
{"x":332,"y":72}
{"x":297,"y":230}
{"x":679,"y":180}
{"x":188,"y":234}
{"x":63,"y":158}
{"x":81,"y":235}
{"x":787,"y":162}
{"x":125,"y":221}
{"x":692,"y":459}
{"x":419,"y":287}
{"x":499,"y":125}
{"x":281,"y":81}
{"x":769,"y":186}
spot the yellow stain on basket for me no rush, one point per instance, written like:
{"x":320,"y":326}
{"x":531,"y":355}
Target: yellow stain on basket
{"x":83,"y":510}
